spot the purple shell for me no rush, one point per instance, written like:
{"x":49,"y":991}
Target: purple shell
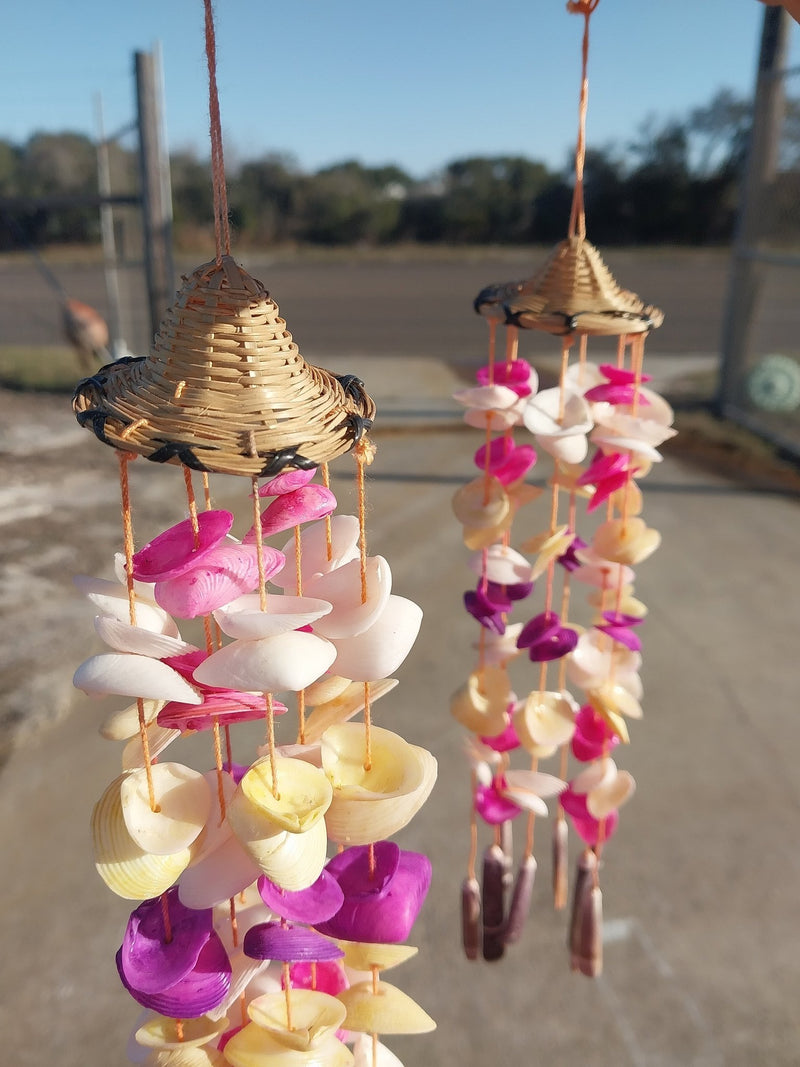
{"x":289,"y":944}
{"x":175,"y":551}
{"x":487,"y":613}
{"x":313,"y":905}
{"x":202,"y":989}
{"x":545,"y":638}
{"x":382,"y":905}
{"x":147,"y":960}
{"x":568,"y":560}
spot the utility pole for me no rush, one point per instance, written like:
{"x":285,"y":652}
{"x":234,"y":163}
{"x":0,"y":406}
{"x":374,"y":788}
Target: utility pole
{"x":748,"y":266}
{"x":156,"y":198}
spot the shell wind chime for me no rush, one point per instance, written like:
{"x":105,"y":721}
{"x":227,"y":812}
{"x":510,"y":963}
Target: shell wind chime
{"x":600,"y":427}
{"x":252,"y":942}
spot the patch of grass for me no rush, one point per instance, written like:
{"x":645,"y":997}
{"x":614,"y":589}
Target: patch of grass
{"x":42,"y":368}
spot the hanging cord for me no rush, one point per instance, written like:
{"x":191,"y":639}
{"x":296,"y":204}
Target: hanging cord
{"x":222,"y":233}
{"x":577,"y":218}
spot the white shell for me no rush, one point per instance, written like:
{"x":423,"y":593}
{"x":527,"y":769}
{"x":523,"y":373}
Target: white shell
{"x":297,"y":860}
{"x":487,"y":397}
{"x":379,"y":651}
{"x":112,"y":599}
{"x":492,"y":418}
{"x":568,"y":448}
{"x":243,"y":970}
{"x":499,"y":649}
{"x":133,"y":676}
{"x":369,"y":805}
{"x":329,"y":687}
{"x":545,"y":719}
{"x":504,"y":565}
{"x":126,"y":638}
{"x":183,"y":803}
{"x":608,"y":796}
{"x":245,"y":619}
{"x":219,"y":876}
{"x":521,"y":786}
{"x":290,"y":660}
{"x":217,"y":830}
{"x":314,"y":550}
{"x":351,"y":614}
{"x":363,"y":1053}
{"x":541,"y":414}
{"x":589,"y":664}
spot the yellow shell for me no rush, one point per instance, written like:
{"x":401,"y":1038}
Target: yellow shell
{"x":314,"y":1017}
{"x":128,"y":870}
{"x":326,"y":688}
{"x":160,"y":1031}
{"x":478,"y":537}
{"x":191,"y":1056}
{"x":364,"y":955}
{"x":481,"y":503}
{"x":546,"y":719}
{"x":300,"y":799}
{"x":627,"y":541}
{"x":372,"y":804}
{"x":254,"y":1047}
{"x":384,"y":1009}
{"x":124,"y":724}
{"x":344,"y":706}
{"x":481,"y":703}
{"x":296,"y":861}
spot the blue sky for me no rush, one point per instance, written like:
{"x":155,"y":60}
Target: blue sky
{"x":414,"y":83}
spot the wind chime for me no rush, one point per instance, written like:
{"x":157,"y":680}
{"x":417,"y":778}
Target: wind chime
{"x":248,"y":945}
{"x":608,"y":407}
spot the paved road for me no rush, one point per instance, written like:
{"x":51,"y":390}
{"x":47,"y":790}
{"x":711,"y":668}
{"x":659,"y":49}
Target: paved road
{"x":700,"y":883}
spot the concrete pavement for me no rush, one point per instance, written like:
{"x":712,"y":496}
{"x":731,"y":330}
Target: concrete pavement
{"x":700,"y":883}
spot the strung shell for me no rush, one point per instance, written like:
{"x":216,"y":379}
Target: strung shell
{"x":123,"y":637}
{"x":134,"y":676}
{"x":314,"y":558}
{"x":285,"y":661}
{"x":292,"y":861}
{"x":352,"y":613}
{"x":329,"y":687}
{"x":254,"y":1047}
{"x":481,"y":703}
{"x":342,"y":708}
{"x":111,"y":598}
{"x":126,"y":869}
{"x":384,"y":1010}
{"x":629,"y":541}
{"x":183,"y":804}
{"x":482,"y":503}
{"x":364,"y":955}
{"x":545,"y":720}
{"x":504,"y":565}
{"x":217,"y":877}
{"x":124,"y":724}
{"x":158,"y":740}
{"x":378,"y":651}
{"x":314,"y":1016}
{"x":159,"y":1031}
{"x":185,"y":1057}
{"x":244,"y":618}
{"x":371,"y":805}
{"x":295,"y":800}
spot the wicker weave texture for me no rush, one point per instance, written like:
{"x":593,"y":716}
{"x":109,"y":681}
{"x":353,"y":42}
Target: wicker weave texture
{"x":575,"y":292}
{"x":225,"y":387}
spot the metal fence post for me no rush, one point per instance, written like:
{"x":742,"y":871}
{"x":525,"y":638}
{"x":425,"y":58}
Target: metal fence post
{"x":747,"y":273}
{"x":156,"y":201}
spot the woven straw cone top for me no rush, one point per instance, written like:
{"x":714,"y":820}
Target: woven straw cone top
{"x":225,"y":388}
{"x":575,"y":292}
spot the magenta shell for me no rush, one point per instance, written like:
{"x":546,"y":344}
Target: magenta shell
{"x":313,"y":905}
{"x":506,"y":741}
{"x":289,"y":944}
{"x":224,"y":706}
{"x":620,"y":376}
{"x":224,"y":573}
{"x":380,"y":906}
{"x":174,"y":551}
{"x":287,"y":483}
{"x":506,"y":462}
{"x":326,"y":976}
{"x":202,"y":989}
{"x":306,"y":504}
{"x":593,"y":738}
{"x":515,"y":375}
{"x":148,"y":961}
{"x":493,"y":807}
{"x":589,"y":829}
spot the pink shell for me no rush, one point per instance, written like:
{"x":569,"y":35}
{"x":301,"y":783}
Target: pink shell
{"x":286,"y":483}
{"x":178,"y":548}
{"x":225,"y":573}
{"x":300,"y":505}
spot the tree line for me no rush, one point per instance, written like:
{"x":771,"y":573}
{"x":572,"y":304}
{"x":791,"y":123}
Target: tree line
{"x":676,"y":182}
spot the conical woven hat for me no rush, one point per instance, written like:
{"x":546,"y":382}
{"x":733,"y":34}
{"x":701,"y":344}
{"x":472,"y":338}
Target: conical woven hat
{"x":225,"y":388}
{"x":576,"y":292}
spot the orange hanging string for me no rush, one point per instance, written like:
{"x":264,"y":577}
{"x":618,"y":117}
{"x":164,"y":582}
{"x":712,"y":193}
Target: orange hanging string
{"x":492,"y":348}
{"x":221,"y":226}
{"x":298,"y":582}
{"x":326,"y":481}
{"x":577,"y":219}
{"x":124,"y":459}
{"x":262,"y":599}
